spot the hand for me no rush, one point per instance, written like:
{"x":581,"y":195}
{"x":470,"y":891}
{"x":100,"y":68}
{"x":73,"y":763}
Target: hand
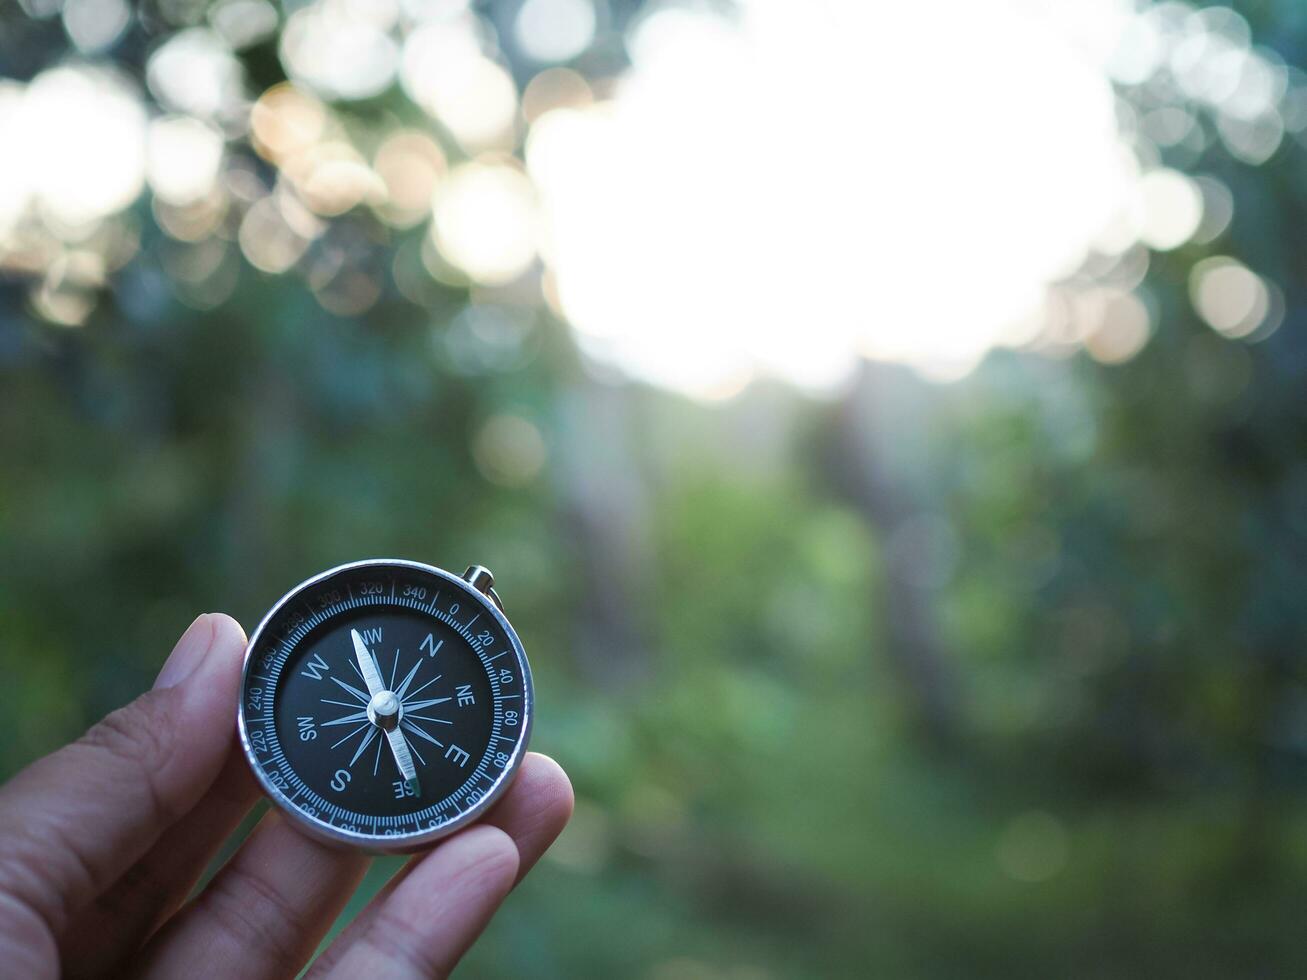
{"x":101,"y":842}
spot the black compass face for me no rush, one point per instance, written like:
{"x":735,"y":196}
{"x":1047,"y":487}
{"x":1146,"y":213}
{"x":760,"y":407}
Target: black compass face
{"x":385,"y":704}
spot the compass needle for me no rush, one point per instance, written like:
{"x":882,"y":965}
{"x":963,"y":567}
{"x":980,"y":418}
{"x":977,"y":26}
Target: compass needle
{"x":367,"y":666}
{"x":384,"y":709}
{"x":399,"y":746}
{"x":321,"y":710}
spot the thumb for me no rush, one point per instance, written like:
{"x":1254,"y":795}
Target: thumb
{"x":80,"y":817}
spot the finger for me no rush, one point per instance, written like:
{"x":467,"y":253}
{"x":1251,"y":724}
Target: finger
{"x":116,"y":924}
{"x":533,"y":813}
{"x":79,"y":818}
{"x":265,"y":911}
{"x":426,"y":923}
{"x":535,"y":809}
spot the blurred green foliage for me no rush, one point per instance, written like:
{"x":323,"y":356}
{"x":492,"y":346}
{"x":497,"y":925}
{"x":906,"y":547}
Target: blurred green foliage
{"x":999,"y":678}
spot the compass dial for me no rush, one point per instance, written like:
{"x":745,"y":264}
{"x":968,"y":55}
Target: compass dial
{"x":385,"y":704}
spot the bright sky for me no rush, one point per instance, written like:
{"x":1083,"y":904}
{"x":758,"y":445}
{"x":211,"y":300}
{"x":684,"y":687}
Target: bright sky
{"x":824,"y":180}
{"x":778,"y":192}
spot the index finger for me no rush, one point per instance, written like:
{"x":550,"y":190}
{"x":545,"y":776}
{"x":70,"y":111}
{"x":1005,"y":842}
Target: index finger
{"x":80,"y":817}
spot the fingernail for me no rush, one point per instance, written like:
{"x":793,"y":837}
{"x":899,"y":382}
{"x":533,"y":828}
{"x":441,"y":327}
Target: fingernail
{"x":187,"y":654}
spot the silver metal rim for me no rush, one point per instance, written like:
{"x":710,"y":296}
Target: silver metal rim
{"x":400,"y":843}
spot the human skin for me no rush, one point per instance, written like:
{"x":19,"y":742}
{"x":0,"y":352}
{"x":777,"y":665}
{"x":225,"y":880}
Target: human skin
{"x":102,"y":842}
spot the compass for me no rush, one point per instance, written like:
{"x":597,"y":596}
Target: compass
{"x":386,"y":703}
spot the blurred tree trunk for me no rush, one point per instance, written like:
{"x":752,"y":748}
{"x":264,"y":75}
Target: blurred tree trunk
{"x":605,"y":506}
{"x":878,"y":459}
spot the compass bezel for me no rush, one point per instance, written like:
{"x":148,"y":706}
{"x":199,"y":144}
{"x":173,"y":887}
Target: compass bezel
{"x":401,"y":843}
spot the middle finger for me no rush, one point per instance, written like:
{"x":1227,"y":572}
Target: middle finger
{"x":265,"y":911}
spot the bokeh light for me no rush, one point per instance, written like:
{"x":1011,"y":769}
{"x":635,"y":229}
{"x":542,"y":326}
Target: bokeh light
{"x":276,"y":232}
{"x":1119,"y":325}
{"x":409,"y":164}
{"x":183,"y":159}
{"x":509,"y":450}
{"x":341,"y":48}
{"x":446,"y":73}
{"x":484,"y":221}
{"x":1168,"y":209}
{"x":54,"y":121}
{"x":195,"y":71}
{"x":810,"y":148}
{"x":1230,"y":297}
{"x":554,"y":30}
{"x":94,"y":25}
{"x":242,"y":23}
